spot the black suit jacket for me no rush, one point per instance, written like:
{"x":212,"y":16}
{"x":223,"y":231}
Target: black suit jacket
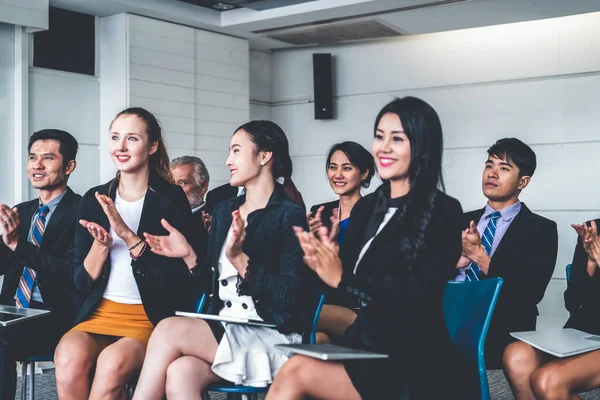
{"x":52,"y":261}
{"x":162,"y":281}
{"x":218,"y":195}
{"x":277,"y":278}
{"x":525,"y":260}
{"x":582,"y":297}
{"x":401,"y":303}
{"x":200,"y":234}
{"x":327,"y":212}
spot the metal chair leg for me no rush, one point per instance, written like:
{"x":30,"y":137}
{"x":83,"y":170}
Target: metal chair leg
{"x":32,"y":381}
{"x":23,"y":381}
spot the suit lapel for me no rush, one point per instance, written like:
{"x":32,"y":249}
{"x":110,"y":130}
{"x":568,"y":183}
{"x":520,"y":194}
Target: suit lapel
{"x":25,"y":220}
{"x":53,"y":226}
{"x":154,"y":204}
{"x":515,"y":234}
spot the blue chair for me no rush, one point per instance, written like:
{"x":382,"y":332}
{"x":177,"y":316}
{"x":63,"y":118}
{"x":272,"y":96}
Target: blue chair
{"x":30,"y":362}
{"x":568,"y":272}
{"x":468,"y":309}
{"x":235,"y":392}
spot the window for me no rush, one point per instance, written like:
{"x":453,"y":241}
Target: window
{"x":69,"y":45}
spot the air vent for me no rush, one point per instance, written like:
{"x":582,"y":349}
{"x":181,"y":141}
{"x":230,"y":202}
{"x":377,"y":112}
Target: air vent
{"x":335,"y":32}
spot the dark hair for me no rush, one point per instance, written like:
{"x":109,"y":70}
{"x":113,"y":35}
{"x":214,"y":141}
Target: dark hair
{"x":68,"y":144}
{"x":512,"y":149}
{"x":423,"y":128}
{"x":159,"y":161}
{"x":268,"y":136}
{"x":358,"y":156}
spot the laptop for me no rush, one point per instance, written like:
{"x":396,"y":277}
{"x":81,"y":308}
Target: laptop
{"x":561,"y":342}
{"x":330,"y":352}
{"x":233,"y":320}
{"x":10,"y":315}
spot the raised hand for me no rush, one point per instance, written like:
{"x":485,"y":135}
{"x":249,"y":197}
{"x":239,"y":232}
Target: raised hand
{"x":471,"y":240}
{"x":314,"y":223}
{"x":207,"y":219}
{"x":173,"y":245}
{"x":114,"y":218}
{"x":591,"y":242}
{"x":233,"y":250}
{"x":9,"y":220}
{"x":99,"y":234}
{"x":319,"y":257}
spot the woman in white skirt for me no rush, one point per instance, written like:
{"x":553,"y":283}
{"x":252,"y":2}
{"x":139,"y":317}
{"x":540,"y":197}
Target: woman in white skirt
{"x":254,"y":268}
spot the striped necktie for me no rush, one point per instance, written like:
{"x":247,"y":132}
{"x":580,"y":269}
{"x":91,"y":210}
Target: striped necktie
{"x":473,"y":272}
{"x":27,"y":281}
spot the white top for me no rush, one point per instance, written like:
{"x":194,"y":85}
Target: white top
{"x":234,"y":304}
{"x":386,"y":218}
{"x":121,"y":287}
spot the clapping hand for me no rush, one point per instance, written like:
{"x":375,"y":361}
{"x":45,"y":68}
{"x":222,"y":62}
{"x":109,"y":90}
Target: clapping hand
{"x":320,"y":255}
{"x":234,"y":251}
{"x":9,"y":219}
{"x":590,"y":239}
{"x":100,"y":235}
{"x":207,"y":220}
{"x":114,"y":218}
{"x":173,"y":245}
{"x":471,"y":241}
{"x":314,"y":222}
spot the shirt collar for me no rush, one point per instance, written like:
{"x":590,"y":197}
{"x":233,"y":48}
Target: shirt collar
{"x":52,"y":204}
{"x":507,"y":214}
{"x":195,"y":210}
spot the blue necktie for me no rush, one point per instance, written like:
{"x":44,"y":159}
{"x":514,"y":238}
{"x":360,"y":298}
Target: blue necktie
{"x":473,"y":272}
{"x":27,"y":280}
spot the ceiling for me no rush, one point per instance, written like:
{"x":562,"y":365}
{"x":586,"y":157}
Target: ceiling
{"x":407,"y":17}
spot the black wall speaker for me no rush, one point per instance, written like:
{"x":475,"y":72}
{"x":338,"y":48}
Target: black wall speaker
{"x":323,"y":87}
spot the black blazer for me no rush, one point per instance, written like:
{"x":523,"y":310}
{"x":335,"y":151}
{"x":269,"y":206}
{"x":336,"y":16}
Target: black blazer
{"x":199,"y":233}
{"x":218,"y":195}
{"x":159,"y":279}
{"x":52,"y":261}
{"x":327,"y":212}
{"x":277,"y":278}
{"x":525,"y":260}
{"x":582,"y":297}
{"x":401,"y":304}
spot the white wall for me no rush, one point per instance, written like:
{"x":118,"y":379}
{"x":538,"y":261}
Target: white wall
{"x":260,"y":85}
{"x":538,"y":81}
{"x":196,"y":82}
{"x":7,"y":112}
{"x":71,"y":102}
{"x":28,"y":13}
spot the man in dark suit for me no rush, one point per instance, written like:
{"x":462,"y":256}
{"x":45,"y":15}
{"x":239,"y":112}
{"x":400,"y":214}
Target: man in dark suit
{"x":36,"y":252}
{"x":505,"y":239}
{"x":219,"y":194}
{"x":192,"y":175}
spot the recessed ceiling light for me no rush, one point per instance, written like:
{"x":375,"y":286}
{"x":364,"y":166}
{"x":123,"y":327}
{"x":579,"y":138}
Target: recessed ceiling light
{"x":223,"y":6}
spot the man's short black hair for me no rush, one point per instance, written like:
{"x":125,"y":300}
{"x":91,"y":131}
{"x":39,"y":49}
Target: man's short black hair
{"x":512,"y":149}
{"x":68,"y":144}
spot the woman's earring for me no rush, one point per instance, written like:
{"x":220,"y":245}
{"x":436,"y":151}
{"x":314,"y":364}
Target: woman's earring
{"x":262,"y":163}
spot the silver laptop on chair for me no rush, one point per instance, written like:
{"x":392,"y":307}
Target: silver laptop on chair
{"x":330,"y":352}
{"x":10,"y":315}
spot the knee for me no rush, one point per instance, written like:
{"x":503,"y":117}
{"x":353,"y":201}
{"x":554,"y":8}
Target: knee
{"x":112,"y":369}
{"x":165,"y":331}
{"x":547,"y":383}
{"x":71,"y":363}
{"x":294,"y":372}
{"x":518,"y":358}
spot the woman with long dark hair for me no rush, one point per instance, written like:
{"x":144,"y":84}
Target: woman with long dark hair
{"x":254,"y":269}
{"x":350,"y":168}
{"x":400,"y":249}
{"x":125,"y":288}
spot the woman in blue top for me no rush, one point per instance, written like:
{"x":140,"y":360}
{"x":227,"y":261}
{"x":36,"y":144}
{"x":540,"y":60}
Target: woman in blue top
{"x":350,"y":168}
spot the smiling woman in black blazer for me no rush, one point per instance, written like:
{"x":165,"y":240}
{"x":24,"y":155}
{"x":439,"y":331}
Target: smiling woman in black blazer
{"x":124,"y":287}
{"x":401,"y":248}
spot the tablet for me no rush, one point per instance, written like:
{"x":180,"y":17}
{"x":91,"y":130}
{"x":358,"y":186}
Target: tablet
{"x":232,"y":320}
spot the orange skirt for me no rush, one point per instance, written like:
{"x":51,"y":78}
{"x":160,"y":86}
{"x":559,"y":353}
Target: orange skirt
{"x":119,"y":320}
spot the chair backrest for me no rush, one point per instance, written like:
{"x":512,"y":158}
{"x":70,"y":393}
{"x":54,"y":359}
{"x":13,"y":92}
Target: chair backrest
{"x":568,"y":272}
{"x":200,"y":302}
{"x":468,"y":309}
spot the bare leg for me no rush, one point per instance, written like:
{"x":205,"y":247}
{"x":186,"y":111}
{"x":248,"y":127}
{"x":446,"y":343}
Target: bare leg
{"x":322,"y":338}
{"x":187,"y":377}
{"x":74,"y":358}
{"x":116,"y":364}
{"x":561,"y":378}
{"x":334,"y":320}
{"x":303,"y":376}
{"x":520,"y":361}
{"x":173,"y":338}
